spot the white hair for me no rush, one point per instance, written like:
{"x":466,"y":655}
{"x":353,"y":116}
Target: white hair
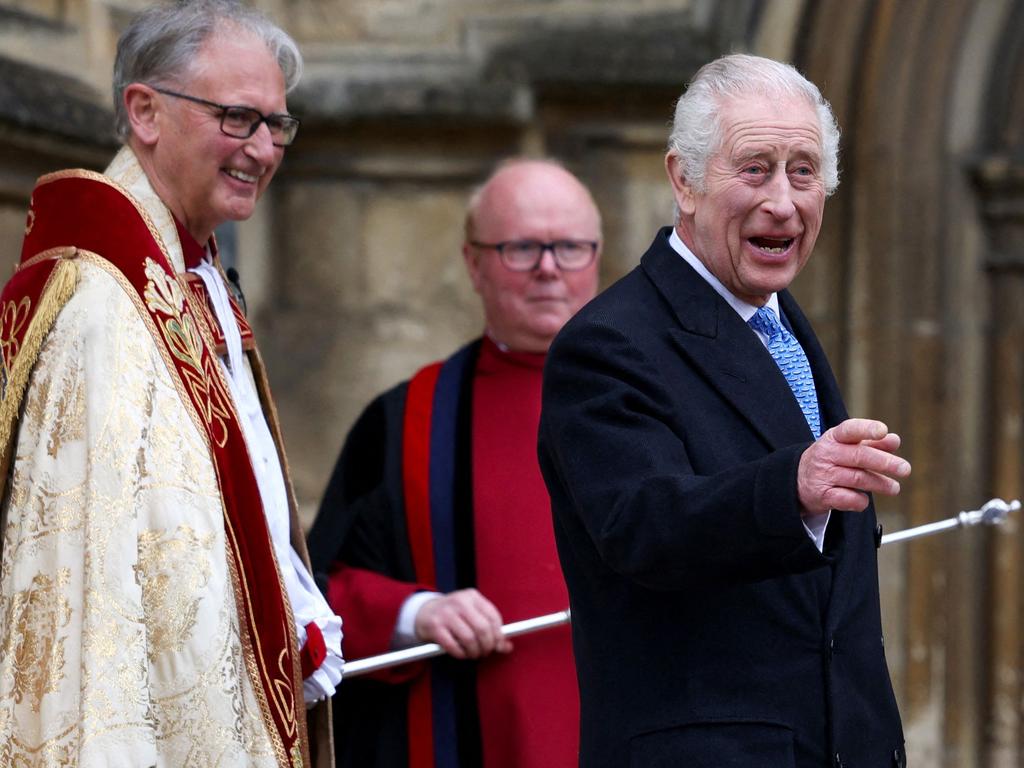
{"x":697,"y":129}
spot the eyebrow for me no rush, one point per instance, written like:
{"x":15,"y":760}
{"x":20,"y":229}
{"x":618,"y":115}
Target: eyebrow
{"x":813,"y":156}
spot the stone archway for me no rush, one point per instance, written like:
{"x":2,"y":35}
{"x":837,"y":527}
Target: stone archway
{"x":1000,"y":178}
{"x":918,"y":289}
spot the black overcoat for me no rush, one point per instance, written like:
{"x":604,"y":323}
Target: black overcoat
{"x":708,"y":629}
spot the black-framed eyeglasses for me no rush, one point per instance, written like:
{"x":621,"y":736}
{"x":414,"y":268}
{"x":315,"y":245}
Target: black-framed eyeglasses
{"x":241,"y":122}
{"x":526,"y":255}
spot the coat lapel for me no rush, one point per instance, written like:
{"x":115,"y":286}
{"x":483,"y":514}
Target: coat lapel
{"x":719,"y":344}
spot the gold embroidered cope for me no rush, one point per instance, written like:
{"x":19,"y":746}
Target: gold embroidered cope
{"x":119,"y":637}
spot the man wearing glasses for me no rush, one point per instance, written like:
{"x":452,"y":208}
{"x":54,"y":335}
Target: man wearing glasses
{"x":436,"y":526}
{"x":157,"y":606}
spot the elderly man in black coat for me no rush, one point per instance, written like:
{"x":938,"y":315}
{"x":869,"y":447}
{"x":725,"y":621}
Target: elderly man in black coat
{"x":711,"y":497}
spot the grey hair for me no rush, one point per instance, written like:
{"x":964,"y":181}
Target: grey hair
{"x":162,"y":43}
{"x":697,"y":129}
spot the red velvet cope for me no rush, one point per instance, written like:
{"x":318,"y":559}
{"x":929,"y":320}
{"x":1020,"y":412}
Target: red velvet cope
{"x":529,"y":703}
{"x":191,"y":250}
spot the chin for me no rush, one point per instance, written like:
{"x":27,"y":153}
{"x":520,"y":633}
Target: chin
{"x":775,"y":281}
{"x":550,"y":325}
{"x":238,"y":213}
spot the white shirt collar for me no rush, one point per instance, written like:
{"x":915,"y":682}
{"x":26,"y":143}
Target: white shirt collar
{"x":743,"y":309}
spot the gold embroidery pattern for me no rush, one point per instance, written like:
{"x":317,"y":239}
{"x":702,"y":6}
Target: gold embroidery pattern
{"x":34,"y":616}
{"x":19,"y":356}
{"x":285,"y":694}
{"x":142,"y":465}
{"x":267,"y":729}
{"x":49,"y":756}
{"x":44,"y":513}
{"x":172,"y":570}
{"x":164,"y":296}
{"x":67,"y":405}
{"x":12,"y":318}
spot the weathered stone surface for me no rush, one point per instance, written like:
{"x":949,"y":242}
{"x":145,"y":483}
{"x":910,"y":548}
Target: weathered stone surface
{"x":36,"y":100}
{"x":502,"y":60}
{"x":329,"y":98}
{"x":611,"y":49}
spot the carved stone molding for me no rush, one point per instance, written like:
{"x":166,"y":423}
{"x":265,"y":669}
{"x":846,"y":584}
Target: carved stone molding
{"x":1000,"y":180}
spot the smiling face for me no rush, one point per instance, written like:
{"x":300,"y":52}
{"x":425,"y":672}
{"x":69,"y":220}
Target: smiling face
{"x":202,"y":175}
{"x":531,"y":201}
{"x":755,"y":224}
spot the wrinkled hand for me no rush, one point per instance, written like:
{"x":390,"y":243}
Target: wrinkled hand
{"x":465,"y":623}
{"x":846,"y":463}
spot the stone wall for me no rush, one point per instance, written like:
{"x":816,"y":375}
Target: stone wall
{"x":405,"y":108}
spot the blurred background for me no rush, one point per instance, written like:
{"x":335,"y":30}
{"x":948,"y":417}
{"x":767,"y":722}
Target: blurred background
{"x":353,"y":275}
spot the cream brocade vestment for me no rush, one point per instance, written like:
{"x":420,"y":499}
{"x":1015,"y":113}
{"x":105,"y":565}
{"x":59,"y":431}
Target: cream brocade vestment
{"x":118,"y":623}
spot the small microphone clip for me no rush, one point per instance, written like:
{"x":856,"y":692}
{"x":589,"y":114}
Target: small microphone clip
{"x":236,"y":288}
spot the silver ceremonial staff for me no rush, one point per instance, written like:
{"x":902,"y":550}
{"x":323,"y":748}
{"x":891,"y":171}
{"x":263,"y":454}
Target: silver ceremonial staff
{"x":429,"y":650}
{"x":993,"y":512}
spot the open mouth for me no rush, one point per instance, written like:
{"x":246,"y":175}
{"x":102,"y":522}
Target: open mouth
{"x":246,"y":177}
{"x":771,"y":244}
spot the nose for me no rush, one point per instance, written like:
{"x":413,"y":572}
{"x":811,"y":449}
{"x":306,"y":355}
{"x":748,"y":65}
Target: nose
{"x":779,"y":196}
{"x":547,"y":266}
{"x":260,"y":146}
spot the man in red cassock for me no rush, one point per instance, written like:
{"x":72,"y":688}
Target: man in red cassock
{"x":436,"y":526}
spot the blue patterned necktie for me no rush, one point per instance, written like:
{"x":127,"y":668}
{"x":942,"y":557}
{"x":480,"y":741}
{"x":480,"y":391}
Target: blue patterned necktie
{"x":792,"y":361}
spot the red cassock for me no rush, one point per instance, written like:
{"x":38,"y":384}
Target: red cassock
{"x":529,"y":706}
{"x":369,"y":545}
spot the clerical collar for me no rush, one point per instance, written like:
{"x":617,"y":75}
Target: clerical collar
{"x":745,"y":310}
{"x":494,"y":350}
{"x":191,"y":250}
{"x":501,"y":347}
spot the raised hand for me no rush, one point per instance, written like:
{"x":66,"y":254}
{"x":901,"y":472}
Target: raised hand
{"x":846,"y":463}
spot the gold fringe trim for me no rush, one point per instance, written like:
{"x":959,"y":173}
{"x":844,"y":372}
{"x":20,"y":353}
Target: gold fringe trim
{"x":59,"y":289}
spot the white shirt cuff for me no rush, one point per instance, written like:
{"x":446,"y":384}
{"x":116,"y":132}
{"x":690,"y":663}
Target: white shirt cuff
{"x":308,"y":607}
{"x":325,"y":678}
{"x":815,"y":526}
{"x":405,"y":628}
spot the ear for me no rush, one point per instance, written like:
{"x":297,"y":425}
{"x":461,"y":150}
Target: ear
{"x":472,"y":258}
{"x":143,"y":112}
{"x":682,"y":190}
